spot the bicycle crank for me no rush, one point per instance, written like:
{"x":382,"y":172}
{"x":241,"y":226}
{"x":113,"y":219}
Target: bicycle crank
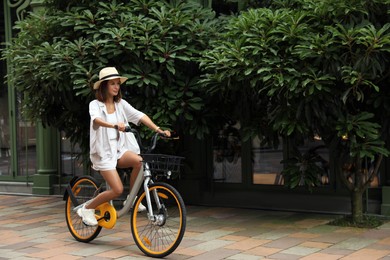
{"x":106,"y":216}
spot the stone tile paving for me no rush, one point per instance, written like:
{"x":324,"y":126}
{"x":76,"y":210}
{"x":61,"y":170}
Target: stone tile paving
{"x":33,"y":227}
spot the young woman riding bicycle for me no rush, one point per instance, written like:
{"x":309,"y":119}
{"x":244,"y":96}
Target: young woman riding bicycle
{"x":110,"y":147}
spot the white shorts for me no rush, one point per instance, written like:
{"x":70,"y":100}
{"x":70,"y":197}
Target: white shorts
{"x":108,"y":163}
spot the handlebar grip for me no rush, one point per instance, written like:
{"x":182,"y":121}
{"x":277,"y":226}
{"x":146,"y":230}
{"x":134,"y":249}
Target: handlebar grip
{"x":128,"y":129}
{"x":174,"y":135}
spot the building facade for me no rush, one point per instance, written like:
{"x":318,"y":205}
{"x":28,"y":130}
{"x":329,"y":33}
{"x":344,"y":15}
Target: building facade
{"x":224,"y":170}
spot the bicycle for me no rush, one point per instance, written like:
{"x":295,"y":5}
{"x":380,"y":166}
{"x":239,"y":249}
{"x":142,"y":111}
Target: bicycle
{"x":158,"y":231}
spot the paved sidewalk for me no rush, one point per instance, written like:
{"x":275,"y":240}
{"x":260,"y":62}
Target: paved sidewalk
{"x":34,"y":228}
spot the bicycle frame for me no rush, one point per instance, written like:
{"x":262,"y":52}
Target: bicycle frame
{"x":144,"y":177}
{"x":133,"y":193}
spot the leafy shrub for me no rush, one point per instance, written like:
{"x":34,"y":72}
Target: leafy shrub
{"x":58,"y":52}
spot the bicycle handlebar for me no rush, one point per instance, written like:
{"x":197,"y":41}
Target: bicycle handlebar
{"x":128,"y":129}
{"x":153,"y":140}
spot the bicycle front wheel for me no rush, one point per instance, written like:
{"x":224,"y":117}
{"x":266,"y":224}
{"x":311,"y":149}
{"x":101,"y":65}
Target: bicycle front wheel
{"x":161,"y":234}
{"x":84,"y":189}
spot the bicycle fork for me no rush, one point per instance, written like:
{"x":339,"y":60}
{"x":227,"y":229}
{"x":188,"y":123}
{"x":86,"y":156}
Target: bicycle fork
{"x":148,"y":180}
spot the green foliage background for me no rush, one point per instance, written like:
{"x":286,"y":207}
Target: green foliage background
{"x":291,"y":68}
{"x":305,"y":68}
{"x":58,"y":53}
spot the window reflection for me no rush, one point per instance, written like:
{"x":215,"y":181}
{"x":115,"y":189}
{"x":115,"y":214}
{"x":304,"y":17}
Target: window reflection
{"x":27,"y":152}
{"x":316,"y":148}
{"x":227,"y":154}
{"x":266,"y":163}
{"x":5,"y":149}
{"x":71,"y":161}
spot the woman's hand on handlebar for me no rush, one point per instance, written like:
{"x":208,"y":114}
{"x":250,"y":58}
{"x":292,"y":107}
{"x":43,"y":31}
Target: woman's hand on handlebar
{"x":165,"y":133}
{"x":121,"y":127}
{"x":172,"y":135}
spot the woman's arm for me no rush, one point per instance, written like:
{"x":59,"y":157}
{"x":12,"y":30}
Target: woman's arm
{"x":95,"y":111}
{"x":98,"y":121}
{"x":150,"y":124}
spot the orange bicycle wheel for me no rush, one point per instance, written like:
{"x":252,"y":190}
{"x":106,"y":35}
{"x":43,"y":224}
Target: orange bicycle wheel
{"x":84,"y":189}
{"x":160,"y":236}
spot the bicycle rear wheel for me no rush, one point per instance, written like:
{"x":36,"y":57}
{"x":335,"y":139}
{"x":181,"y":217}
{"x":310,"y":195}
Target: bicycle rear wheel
{"x":161,"y":236}
{"x":84,"y":189}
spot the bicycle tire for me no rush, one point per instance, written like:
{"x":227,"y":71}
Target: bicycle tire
{"x":84,"y":188}
{"x":160,"y":238}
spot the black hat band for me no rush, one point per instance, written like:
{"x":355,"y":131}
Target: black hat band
{"x":111,"y":75}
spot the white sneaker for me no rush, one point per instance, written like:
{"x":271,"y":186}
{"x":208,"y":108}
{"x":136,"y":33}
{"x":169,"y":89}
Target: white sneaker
{"x":75,"y":209}
{"x":88,"y":216}
{"x":141,"y":206}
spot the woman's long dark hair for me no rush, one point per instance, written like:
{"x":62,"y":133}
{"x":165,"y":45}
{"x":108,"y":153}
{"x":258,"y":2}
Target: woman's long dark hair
{"x":101,"y":93}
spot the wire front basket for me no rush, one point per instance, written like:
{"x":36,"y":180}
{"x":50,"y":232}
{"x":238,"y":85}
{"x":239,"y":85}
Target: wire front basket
{"x":163,"y":164}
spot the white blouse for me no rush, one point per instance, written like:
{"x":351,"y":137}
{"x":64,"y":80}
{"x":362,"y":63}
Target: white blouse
{"x":112,"y":132}
{"x":99,"y":136}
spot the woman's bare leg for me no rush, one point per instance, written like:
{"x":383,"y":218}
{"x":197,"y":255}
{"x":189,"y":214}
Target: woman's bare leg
{"x":131,"y":160}
{"x":116,"y":189}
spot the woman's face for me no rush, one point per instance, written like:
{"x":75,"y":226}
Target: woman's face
{"x":113,"y":87}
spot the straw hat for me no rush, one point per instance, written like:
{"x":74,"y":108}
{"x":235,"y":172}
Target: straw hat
{"x":107,"y":74}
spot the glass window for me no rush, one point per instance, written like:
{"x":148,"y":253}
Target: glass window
{"x":227,"y":155}
{"x":315,"y":146}
{"x":27,"y":152}
{"x":5,"y":149}
{"x":71,"y":161}
{"x":26,"y":142}
{"x":266,"y":163}
{"x":24,"y":134}
{"x":368,"y":169}
{"x":5,"y":137}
